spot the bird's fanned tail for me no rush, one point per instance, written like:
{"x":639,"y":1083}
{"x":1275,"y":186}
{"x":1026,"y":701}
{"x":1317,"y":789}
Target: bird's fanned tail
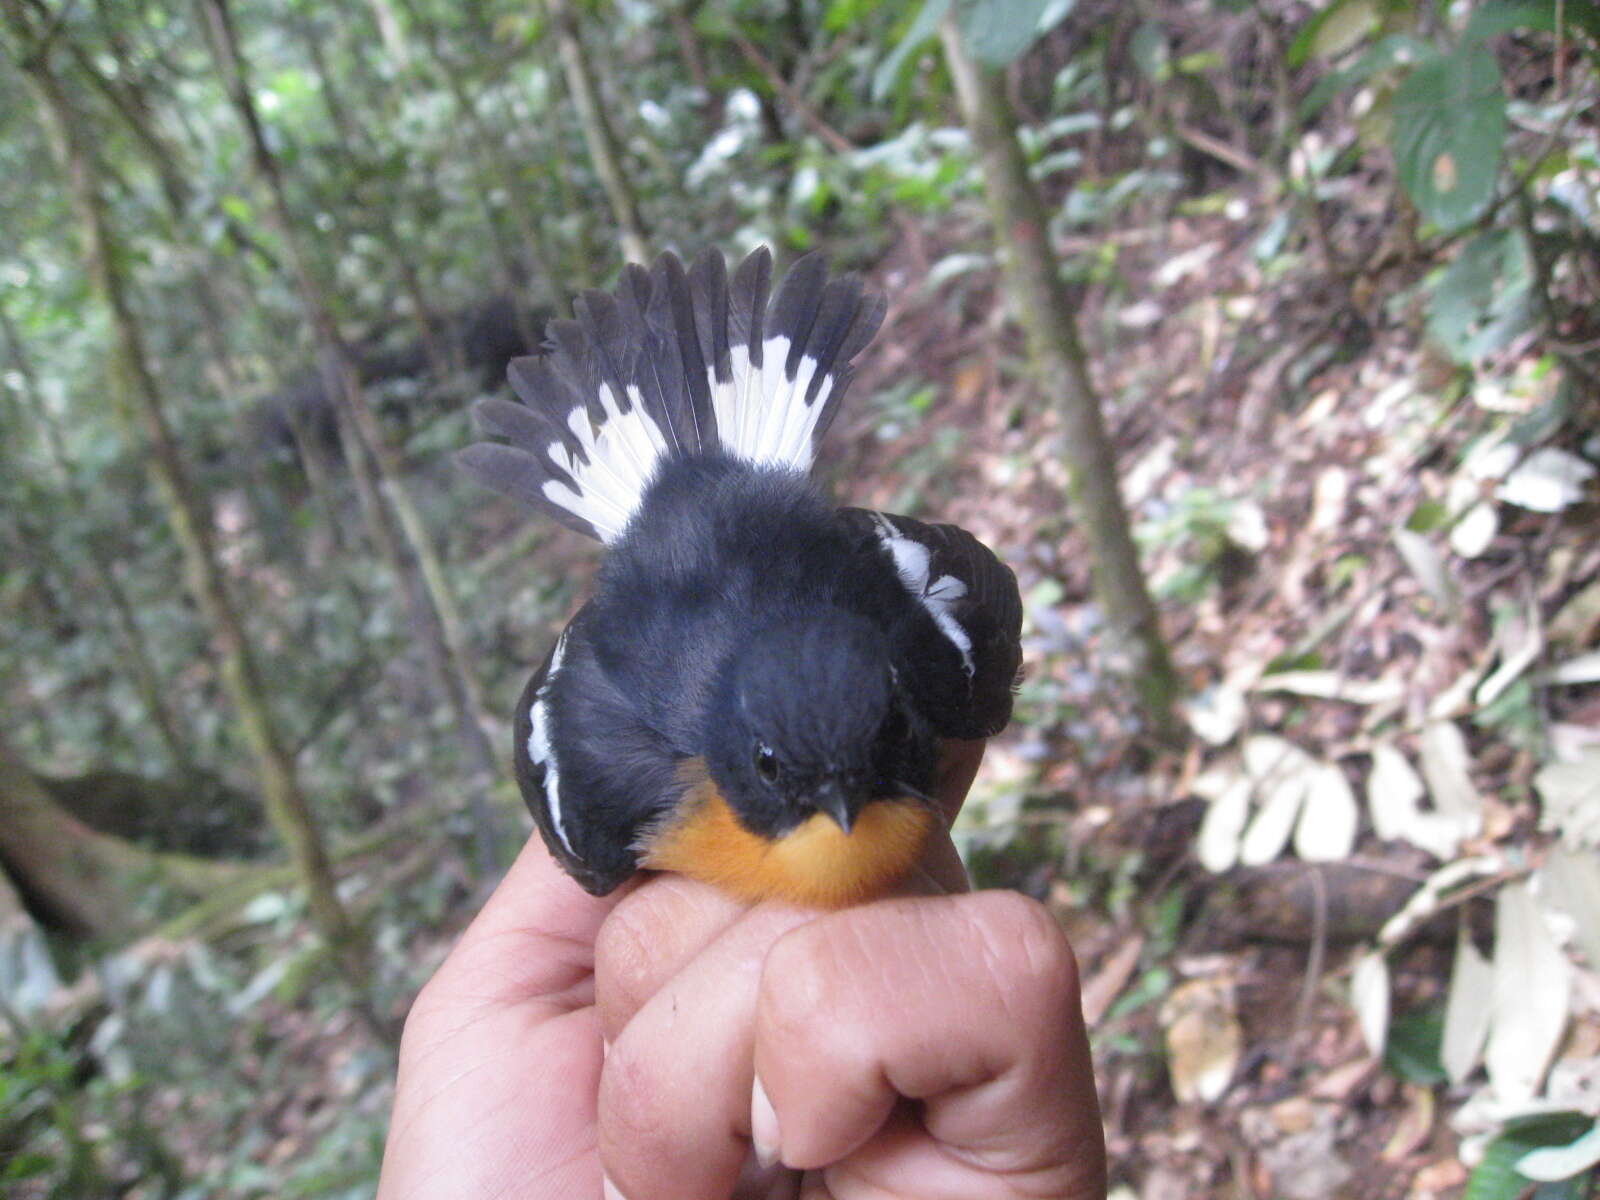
{"x":673,"y":363}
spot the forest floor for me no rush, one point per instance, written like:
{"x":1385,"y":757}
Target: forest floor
{"x":1275,"y":428}
{"x":1273,"y":433}
{"x":1271,"y":438}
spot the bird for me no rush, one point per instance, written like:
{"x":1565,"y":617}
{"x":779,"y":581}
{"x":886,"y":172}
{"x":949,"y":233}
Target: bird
{"x":757,"y":691}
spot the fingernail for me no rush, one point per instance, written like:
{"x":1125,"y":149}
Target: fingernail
{"x":763,"y":1126}
{"x":609,"y":1189}
{"x":605,"y":1049}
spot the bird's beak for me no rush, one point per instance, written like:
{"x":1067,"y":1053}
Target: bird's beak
{"x":830,"y":798}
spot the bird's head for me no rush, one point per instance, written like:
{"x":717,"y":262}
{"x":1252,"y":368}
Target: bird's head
{"x":810,"y":720}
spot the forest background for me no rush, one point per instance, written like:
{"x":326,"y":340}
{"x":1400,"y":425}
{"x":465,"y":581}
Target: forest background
{"x":1258,"y":337}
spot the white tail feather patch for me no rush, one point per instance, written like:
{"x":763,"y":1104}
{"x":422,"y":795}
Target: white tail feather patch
{"x":644,"y":341}
{"x":762,"y":415}
{"x":623,"y":451}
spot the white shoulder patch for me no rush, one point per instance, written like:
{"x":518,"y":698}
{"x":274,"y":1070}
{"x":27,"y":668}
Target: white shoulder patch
{"x":912,"y":561}
{"x":539,"y":749}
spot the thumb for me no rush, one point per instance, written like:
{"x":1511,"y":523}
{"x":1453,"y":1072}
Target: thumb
{"x":532,"y":943}
{"x":500,"y":1060}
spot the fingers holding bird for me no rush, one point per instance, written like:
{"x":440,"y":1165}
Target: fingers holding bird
{"x":931,"y":1042}
{"x":665,"y":922}
{"x":679,"y":977}
{"x":675,"y":1088}
{"x":929,"y":1047}
{"x":923,"y":1047}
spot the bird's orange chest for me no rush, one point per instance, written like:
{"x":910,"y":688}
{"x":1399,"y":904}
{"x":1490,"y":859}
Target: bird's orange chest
{"x":815,"y":864}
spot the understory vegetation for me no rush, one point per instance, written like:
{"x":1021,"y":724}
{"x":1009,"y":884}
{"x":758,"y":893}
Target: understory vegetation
{"x":1307,"y":755}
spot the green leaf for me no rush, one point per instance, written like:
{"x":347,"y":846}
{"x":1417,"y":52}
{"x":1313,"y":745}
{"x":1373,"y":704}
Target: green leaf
{"x":1334,"y":30}
{"x":711,"y":21}
{"x":1496,"y":1177}
{"x":998,"y":31}
{"x":238,"y":208}
{"x":1412,"y":1051}
{"x":1428,"y":516}
{"x":1484,"y":298}
{"x":27,"y":1164}
{"x":922,"y":28}
{"x":1396,"y":50}
{"x":1148,"y":47}
{"x":842,"y":14}
{"x":1449,"y":123}
{"x":1491,"y":20}
{"x":1199,"y":63}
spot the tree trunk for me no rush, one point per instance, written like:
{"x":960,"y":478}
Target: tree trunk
{"x":604,"y":152}
{"x":124,"y":94}
{"x":91,"y":883}
{"x":126,"y":98}
{"x":138,"y":396}
{"x":392,"y":36}
{"x":412,"y":555}
{"x":1033,"y":277}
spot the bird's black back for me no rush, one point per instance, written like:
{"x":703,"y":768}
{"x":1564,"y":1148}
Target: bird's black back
{"x":719,"y":551}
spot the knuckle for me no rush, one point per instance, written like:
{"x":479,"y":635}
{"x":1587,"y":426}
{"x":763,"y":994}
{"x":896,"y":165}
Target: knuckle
{"x":799,"y":993}
{"x":630,"y":1118}
{"x":416,"y":1036}
{"x":622,"y":953}
{"x":437,"y":1016}
{"x":420,"y":1015}
{"x":1025,"y":944}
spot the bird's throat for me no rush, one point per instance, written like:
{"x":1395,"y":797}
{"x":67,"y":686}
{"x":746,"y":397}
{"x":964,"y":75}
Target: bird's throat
{"x":815,"y":864}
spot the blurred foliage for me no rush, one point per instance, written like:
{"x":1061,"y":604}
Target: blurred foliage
{"x":1403,"y":165}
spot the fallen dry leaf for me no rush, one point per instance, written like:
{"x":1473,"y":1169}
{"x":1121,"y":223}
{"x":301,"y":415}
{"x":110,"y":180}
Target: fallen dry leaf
{"x":1414,"y":1126}
{"x":1440,"y":1178}
{"x":1106,"y":984}
{"x":1204,"y":1038}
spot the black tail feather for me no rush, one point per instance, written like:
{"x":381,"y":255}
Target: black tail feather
{"x":673,"y":362}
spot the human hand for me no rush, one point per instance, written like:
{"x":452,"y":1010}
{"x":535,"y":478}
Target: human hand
{"x":501,"y":1054}
{"x":968,"y":1004}
{"x":923,"y":1047}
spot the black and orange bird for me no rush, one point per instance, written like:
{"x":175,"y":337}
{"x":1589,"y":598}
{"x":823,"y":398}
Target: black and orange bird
{"x":757,"y":691}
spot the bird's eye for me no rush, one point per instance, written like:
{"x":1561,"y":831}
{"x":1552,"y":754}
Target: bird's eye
{"x":766,"y":763}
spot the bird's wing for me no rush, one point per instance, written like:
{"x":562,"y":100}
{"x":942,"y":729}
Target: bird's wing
{"x":966,"y":671}
{"x":591,"y":772}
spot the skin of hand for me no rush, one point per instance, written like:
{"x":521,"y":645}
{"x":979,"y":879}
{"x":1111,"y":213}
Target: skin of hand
{"x":922,"y":1047}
